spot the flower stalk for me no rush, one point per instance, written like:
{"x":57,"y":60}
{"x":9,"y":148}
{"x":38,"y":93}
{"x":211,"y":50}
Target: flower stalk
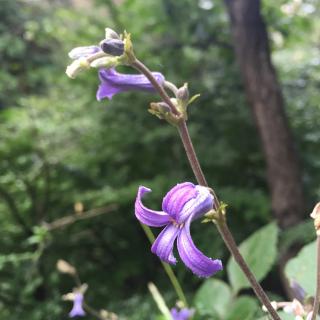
{"x":195,"y":165}
{"x":316,"y":216}
{"x":316,"y":304}
{"x":173,"y":279}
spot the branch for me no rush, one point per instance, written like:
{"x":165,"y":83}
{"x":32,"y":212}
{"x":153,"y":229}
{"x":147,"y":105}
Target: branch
{"x":14,"y":210}
{"x":70,"y":219}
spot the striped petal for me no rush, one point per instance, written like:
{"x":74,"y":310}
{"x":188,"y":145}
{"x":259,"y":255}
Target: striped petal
{"x":164,"y":243}
{"x":192,"y":257}
{"x":197,"y":206}
{"x":177,"y":197}
{"x":147,"y":216}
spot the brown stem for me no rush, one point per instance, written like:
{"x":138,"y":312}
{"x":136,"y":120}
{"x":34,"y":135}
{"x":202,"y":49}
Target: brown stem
{"x":232,"y":246}
{"x":195,"y":165}
{"x":144,"y":70}
{"x":191,"y":154}
{"x":67,"y":220}
{"x":317,"y":295}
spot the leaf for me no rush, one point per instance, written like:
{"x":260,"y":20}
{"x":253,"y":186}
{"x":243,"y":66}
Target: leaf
{"x":302,"y":268}
{"x":213,"y":298}
{"x":259,"y":251}
{"x":243,"y":308}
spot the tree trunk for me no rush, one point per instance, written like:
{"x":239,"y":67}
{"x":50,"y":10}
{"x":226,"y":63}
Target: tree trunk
{"x":266,"y":101}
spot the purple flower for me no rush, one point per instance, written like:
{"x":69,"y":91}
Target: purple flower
{"x":181,"y":205}
{"x":77,"y":309}
{"x":183,"y":314}
{"x":297,"y":290}
{"x":113,"y":82}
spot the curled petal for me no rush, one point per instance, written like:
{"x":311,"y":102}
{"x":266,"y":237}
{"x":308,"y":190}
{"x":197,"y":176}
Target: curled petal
{"x":147,"y":216}
{"x":197,"y":206}
{"x":164,"y":243}
{"x":192,"y":257}
{"x":177,"y":197}
{"x":113,"y":82}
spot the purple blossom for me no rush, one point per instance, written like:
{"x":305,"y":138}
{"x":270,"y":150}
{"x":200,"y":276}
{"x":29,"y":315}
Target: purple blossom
{"x":113,"y":82}
{"x":77,"y":309}
{"x":182,"y":204}
{"x":183,"y":314}
{"x":297,"y":290}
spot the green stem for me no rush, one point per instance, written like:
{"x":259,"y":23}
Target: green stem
{"x":195,"y":165}
{"x":317,"y":295}
{"x":167,"y":268}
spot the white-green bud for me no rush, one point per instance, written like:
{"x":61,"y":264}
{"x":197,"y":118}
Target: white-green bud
{"x":105,"y":62}
{"x":76,"y":67}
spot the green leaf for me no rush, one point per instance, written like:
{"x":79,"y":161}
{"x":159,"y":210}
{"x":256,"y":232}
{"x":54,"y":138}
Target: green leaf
{"x":243,"y":308}
{"x":213,"y":298}
{"x":302,"y":268}
{"x":282,"y":315}
{"x":259,"y":251}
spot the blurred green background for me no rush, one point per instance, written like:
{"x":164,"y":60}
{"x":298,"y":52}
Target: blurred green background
{"x":60,"y":147}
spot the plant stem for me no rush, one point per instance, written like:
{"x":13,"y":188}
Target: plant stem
{"x":232,"y":246}
{"x":195,"y":165}
{"x":191,"y":154}
{"x":144,"y":70}
{"x":317,"y":295}
{"x":167,"y":268}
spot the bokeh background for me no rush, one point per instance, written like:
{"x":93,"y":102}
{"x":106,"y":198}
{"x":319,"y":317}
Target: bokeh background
{"x":63,"y":153}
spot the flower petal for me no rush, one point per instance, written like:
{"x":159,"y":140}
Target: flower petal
{"x":177,"y":197}
{"x":77,"y":309}
{"x":198,"y":206}
{"x":113,"y":82}
{"x":192,"y":257}
{"x":183,"y":314}
{"x":147,"y":216}
{"x":164,"y":243}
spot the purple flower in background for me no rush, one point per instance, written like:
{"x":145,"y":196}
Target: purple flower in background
{"x":113,"y":82}
{"x":77,"y":309}
{"x":182,"y":204}
{"x":297,"y":290}
{"x":183,"y":314}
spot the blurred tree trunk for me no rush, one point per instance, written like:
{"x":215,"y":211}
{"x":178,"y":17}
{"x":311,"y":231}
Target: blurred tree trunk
{"x":252,"y":50}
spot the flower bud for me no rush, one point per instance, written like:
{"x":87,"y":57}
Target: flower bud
{"x":111,"y":34}
{"x":76,"y":67}
{"x":65,"y":267}
{"x":183,"y":93}
{"x":316,"y":216}
{"x":105,"y":62}
{"x":114,"y":47}
{"x":316,"y":211}
{"x":81,"y":52}
{"x":160,"y":107}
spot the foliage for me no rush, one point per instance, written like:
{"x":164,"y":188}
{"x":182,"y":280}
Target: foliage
{"x":302,"y":268}
{"x":59,"y":148}
{"x":260,"y":252}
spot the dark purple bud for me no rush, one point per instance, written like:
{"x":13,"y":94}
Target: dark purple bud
{"x":114,"y":47}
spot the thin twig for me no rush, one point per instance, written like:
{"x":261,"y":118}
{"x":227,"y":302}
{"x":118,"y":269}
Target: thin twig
{"x":195,"y":165}
{"x":65,"y":221}
{"x":317,"y":295}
